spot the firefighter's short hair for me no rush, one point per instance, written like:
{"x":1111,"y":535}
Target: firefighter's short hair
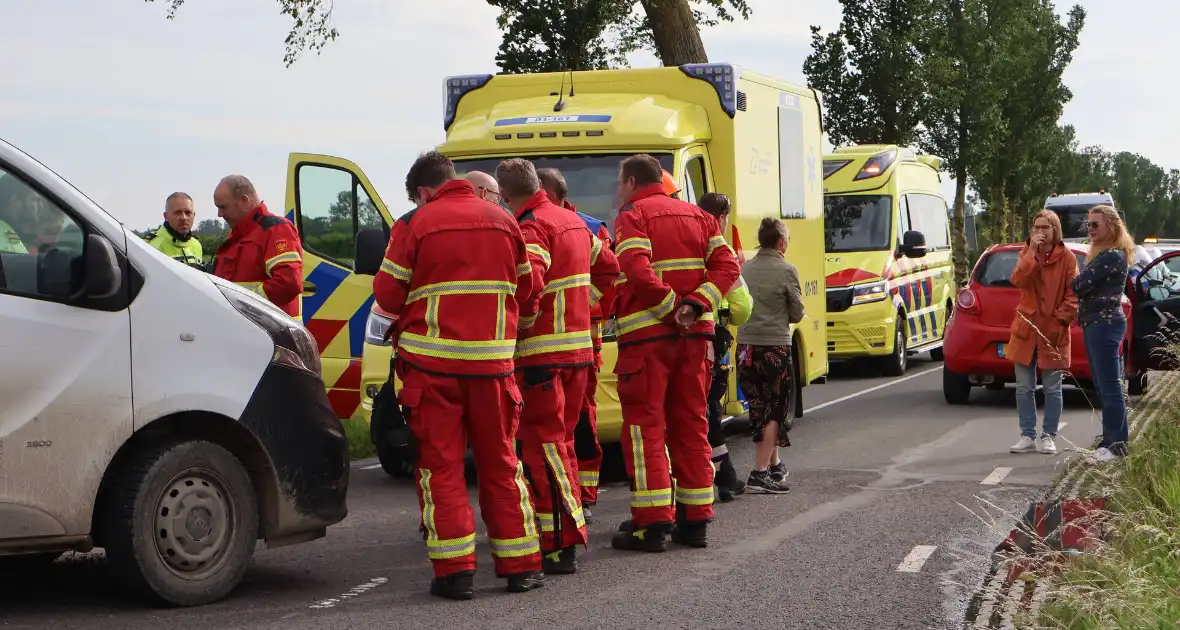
{"x":431,"y":170}
{"x":517,"y":178}
{"x":644,"y":168}
{"x":554,"y":183}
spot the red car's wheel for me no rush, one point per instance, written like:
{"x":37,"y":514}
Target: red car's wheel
{"x":955,"y":388}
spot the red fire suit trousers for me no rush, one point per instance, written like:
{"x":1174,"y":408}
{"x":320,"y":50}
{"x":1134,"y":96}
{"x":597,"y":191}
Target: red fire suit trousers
{"x":663,"y":388}
{"x":552,"y":404}
{"x":445,"y":415}
{"x":585,"y":445}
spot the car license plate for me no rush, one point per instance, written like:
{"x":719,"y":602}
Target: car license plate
{"x":999,"y":350}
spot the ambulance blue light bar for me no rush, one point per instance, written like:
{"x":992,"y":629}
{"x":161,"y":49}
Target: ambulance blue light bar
{"x":723,"y":76}
{"x":454,"y":90}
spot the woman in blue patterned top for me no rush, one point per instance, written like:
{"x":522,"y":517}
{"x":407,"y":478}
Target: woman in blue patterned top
{"x":1100,"y":288}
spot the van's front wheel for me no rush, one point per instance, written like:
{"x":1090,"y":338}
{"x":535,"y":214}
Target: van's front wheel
{"x":182,"y":523}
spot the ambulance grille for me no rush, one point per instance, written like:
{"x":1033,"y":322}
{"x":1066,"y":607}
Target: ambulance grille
{"x":741,"y":101}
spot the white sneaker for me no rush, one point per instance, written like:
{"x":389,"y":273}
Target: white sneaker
{"x":1025,"y":445}
{"x":1048,"y":446}
{"x":1104,"y":454}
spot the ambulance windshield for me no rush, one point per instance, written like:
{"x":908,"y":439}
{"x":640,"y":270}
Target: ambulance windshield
{"x":593,"y":179}
{"x":1073,"y":219}
{"x":857,"y":223}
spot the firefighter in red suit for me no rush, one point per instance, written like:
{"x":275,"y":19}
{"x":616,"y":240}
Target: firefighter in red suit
{"x":457,"y":275}
{"x":554,"y":355}
{"x":262,"y":252}
{"x":585,"y":446}
{"x":675,"y":269}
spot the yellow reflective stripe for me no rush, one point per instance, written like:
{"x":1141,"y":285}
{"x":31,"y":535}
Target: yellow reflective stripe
{"x":651,"y":498}
{"x":501,"y":314}
{"x":563,"y":483}
{"x":714,"y":243}
{"x":395,"y":270}
{"x":632,"y":243}
{"x":253,"y":287}
{"x":540,"y":252}
{"x":712,"y":293}
{"x":526,"y":503}
{"x":595,"y":295}
{"x":588,"y":478}
{"x":678,"y":264}
{"x":285,"y":257}
{"x":546,"y":522}
{"x":514,"y":547}
{"x":451,"y":547}
{"x":555,"y":342}
{"x":462,"y":287}
{"x":432,"y":304}
{"x":694,"y":496}
{"x":649,"y":317}
{"x":595,"y":249}
{"x":621,"y":279}
{"x":440,"y":348}
{"x":559,"y":313}
{"x":524,"y":269}
{"x":640,"y":464}
{"x":427,"y":505}
{"x":527,"y":322}
{"x":568,"y":282}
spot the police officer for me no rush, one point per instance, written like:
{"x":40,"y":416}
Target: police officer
{"x":175,"y":237}
{"x":262,"y":252}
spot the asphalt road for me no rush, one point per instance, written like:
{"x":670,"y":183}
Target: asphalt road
{"x":896,"y":502}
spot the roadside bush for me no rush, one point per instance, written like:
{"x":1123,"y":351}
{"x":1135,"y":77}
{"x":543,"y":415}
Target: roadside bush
{"x":1132,"y":581}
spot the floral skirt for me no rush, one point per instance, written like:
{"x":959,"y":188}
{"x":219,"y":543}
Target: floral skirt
{"x":767,"y":379}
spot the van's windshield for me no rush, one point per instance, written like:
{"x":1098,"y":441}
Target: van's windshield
{"x":1073,"y":219}
{"x":857,"y":223}
{"x":593,"y":179}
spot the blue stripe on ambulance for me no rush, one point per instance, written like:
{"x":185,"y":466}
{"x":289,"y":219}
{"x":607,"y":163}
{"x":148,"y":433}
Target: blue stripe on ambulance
{"x":326,"y":277}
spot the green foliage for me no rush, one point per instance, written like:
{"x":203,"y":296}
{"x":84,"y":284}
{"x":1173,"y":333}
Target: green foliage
{"x":558,"y":35}
{"x":311,"y":27}
{"x":870,"y":71}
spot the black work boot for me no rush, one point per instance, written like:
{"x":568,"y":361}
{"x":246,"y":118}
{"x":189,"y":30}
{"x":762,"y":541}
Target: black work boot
{"x":586,"y":513}
{"x":726,"y":480}
{"x":560,"y":562}
{"x":691,"y":533}
{"x":649,"y":538}
{"x":525,"y":582}
{"x":460,"y":585}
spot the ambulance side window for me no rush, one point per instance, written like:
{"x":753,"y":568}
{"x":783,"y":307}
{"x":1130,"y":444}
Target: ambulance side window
{"x":331,"y":206}
{"x":903,"y":217}
{"x":694,"y":183}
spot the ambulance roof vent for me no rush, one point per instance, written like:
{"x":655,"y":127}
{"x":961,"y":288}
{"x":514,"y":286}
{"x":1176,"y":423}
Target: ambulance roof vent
{"x":455,"y":88}
{"x":723,"y":77}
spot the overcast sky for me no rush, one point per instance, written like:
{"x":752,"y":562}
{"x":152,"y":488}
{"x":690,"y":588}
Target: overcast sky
{"x":129,"y":106}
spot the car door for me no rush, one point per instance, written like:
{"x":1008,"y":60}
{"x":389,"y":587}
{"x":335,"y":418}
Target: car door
{"x":65,"y":394}
{"x":329,"y":199}
{"x":1155,"y":320}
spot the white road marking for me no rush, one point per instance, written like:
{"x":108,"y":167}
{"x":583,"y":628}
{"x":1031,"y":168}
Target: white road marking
{"x":870,"y":390}
{"x":372,"y":467}
{"x":996,"y":477}
{"x":916,"y":558}
{"x":355,"y":591}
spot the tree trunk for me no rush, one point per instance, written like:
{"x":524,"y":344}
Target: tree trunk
{"x":999,"y":210}
{"x":959,"y":226}
{"x":675,"y":32}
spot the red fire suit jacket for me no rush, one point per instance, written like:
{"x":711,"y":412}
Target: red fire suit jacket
{"x":600,"y":309}
{"x":457,"y":275}
{"x":670,"y":253}
{"x":263,"y":254}
{"x":569,"y":263}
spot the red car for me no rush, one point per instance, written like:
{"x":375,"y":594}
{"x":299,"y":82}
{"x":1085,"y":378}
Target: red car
{"x":979,"y":328}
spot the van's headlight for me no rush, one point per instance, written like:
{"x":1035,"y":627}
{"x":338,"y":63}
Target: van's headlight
{"x":869,"y":293}
{"x":376,"y":328}
{"x":294,"y":346}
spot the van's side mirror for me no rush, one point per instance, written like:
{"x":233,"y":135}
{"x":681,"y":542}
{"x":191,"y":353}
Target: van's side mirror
{"x":913,"y":244}
{"x":103,"y":275}
{"x":370,"y":250}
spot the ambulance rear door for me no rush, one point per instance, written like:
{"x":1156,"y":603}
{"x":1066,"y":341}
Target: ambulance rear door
{"x":329,"y":199}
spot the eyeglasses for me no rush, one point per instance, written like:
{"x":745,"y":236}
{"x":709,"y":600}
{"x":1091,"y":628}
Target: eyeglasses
{"x":1043,"y":228}
{"x":1093,"y":225}
{"x":489,"y":191}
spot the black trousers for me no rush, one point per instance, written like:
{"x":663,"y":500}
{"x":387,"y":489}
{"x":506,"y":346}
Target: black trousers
{"x":721,"y":342}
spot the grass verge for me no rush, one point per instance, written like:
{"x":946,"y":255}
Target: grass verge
{"x":359,"y":444}
{"x":1132,"y":580}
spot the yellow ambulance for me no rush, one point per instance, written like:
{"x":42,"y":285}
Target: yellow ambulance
{"x":715,"y":127}
{"x":890,"y":277}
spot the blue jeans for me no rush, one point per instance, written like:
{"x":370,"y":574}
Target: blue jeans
{"x":1102,"y":349}
{"x":1026,"y":402}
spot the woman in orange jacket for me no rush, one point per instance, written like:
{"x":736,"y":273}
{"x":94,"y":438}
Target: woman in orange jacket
{"x":1040,"y":330}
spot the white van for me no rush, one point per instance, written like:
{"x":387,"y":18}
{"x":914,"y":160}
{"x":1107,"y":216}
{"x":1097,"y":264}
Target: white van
{"x":147,"y":408}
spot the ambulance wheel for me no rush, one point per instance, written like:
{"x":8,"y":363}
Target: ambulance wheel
{"x":895,"y":363}
{"x":181,"y":521}
{"x":393,"y":463}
